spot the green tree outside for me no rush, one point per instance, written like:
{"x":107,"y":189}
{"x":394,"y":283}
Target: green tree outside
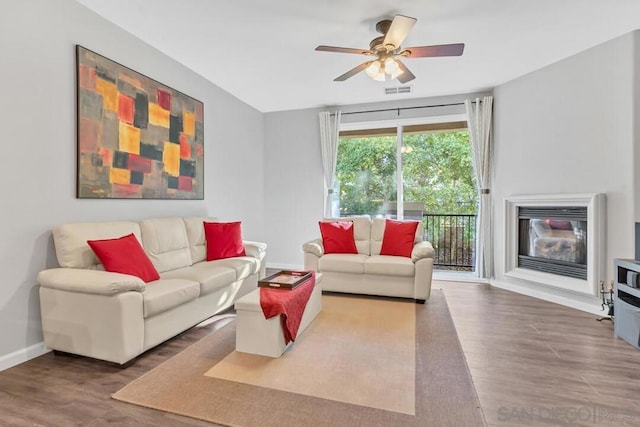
{"x":366,"y":173}
{"x":437,"y":170}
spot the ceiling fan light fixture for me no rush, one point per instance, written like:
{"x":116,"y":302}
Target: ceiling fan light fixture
{"x":374,"y":69}
{"x":380,"y":77}
{"x":390,"y":66}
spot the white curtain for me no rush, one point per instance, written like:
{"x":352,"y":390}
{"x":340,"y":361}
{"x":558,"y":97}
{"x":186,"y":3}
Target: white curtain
{"x":329,"y":129}
{"x":479,"y":119}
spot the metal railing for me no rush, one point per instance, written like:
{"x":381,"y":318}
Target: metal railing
{"x":453,"y":237}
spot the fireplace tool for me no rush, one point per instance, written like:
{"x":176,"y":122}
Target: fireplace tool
{"x":607,"y":300}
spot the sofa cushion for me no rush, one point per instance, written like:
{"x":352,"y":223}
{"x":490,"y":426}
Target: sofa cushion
{"x":211,"y":275}
{"x":387,"y":265}
{"x":165,"y":241}
{"x":70,"y":240}
{"x":398,"y":237}
{"x":342,"y":263}
{"x":337,"y":237}
{"x":224,"y":240}
{"x":377,"y":233}
{"x":361,"y":231}
{"x":126,"y":256}
{"x":165,"y":294}
{"x":244,"y":266}
{"x":195,"y":235}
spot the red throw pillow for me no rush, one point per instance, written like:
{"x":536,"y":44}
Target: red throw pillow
{"x":224,"y":240}
{"x":337,"y":237}
{"x":124,"y":255}
{"x":398,"y":237}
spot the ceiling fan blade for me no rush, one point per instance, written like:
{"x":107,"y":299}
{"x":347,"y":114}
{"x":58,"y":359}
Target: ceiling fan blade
{"x":352,"y":72}
{"x":400,"y":27}
{"x":455,"y":49}
{"x":343,"y":50}
{"x":406,"y":75}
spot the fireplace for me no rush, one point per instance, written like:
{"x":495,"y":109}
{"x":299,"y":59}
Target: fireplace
{"x":556,"y":240}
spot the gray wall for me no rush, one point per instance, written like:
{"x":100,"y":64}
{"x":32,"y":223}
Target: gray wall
{"x":294,"y":183}
{"x":636,"y":125}
{"x":38,"y":166}
{"x":569,"y":128}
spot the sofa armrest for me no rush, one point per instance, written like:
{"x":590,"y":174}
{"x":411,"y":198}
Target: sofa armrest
{"x":314,"y":247}
{"x":422,"y":280}
{"x":422,"y":250}
{"x":255,"y":249}
{"x":89,"y":281}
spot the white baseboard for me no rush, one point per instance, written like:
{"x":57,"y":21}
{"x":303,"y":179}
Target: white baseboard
{"x":589,"y":307}
{"x":279,"y":266}
{"x":453,"y":276}
{"x":17,"y":357}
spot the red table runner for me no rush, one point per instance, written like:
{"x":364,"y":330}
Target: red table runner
{"x":289,"y":304}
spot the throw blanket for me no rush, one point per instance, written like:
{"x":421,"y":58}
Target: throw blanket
{"x":289,"y":304}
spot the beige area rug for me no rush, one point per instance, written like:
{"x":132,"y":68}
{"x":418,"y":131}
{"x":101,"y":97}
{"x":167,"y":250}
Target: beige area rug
{"x":358,"y":351}
{"x":443,"y":392}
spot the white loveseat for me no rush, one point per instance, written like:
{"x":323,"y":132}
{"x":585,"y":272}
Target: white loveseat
{"x":115,"y":317}
{"x":370,"y":273}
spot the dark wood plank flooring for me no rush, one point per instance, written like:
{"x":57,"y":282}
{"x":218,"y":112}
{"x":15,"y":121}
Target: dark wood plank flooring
{"x":541,"y":364}
{"x":533,"y":363}
{"x":66,"y":390}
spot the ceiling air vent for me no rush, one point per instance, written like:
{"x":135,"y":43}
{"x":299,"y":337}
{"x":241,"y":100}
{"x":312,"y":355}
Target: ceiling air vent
{"x":397,"y":90}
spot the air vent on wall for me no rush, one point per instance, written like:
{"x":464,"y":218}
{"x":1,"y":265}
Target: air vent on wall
{"x":397,"y":90}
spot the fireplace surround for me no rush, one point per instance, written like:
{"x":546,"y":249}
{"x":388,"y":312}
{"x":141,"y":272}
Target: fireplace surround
{"x":556,"y":240}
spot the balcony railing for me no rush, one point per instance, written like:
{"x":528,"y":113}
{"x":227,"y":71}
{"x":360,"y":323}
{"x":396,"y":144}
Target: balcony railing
{"x":453,"y":237}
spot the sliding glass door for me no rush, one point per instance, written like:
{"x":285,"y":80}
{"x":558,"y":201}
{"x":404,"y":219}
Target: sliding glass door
{"x":433,"y":164}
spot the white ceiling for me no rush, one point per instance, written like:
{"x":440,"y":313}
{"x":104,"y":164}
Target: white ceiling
{"x":263,"y":51}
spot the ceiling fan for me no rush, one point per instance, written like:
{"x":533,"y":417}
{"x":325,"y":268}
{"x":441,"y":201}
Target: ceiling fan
{"x":386,"y":49}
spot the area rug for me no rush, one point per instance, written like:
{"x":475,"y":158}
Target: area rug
{"x":358,"y":350}
{"x":443,"y":390}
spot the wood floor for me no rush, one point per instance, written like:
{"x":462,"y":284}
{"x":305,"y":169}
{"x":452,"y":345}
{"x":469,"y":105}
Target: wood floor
{"x":533,"y":363}
{"x":541,"y":364}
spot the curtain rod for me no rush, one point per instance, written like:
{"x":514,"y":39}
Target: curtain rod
{"x":402,"y":108}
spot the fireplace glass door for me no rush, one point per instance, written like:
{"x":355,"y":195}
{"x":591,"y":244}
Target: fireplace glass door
{"x":553,"y":240}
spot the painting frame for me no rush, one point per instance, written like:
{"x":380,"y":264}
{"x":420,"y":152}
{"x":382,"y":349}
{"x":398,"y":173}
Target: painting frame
{"x":136,"y":138}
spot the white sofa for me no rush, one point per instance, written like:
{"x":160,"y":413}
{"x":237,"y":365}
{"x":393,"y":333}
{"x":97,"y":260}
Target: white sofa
{"x":116,"y":317}
{"x":370,"y":273}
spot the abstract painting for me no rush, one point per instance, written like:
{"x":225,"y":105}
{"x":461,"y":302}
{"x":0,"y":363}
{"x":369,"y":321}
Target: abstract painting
{"x":137,"y":138}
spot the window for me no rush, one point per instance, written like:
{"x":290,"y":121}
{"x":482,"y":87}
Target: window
{"x":366,"y":173}
{"x":437,"y":169}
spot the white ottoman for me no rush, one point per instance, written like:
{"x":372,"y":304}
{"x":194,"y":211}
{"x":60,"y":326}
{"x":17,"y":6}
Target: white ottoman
{"x":257,"y":335}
